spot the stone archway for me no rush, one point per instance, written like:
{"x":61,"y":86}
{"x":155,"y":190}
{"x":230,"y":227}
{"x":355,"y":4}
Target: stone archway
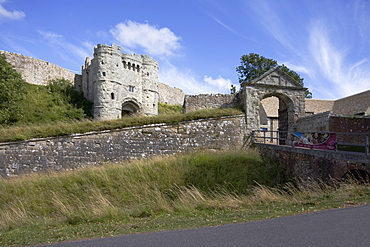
{"x":274,"y":83}
{"x":130,"y":106}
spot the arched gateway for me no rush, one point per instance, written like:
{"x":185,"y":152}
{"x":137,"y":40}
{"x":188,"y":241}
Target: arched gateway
{"x":276,"y":83}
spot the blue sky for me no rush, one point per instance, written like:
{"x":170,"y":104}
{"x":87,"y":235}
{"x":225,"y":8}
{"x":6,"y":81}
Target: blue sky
{"x":198,"y":43}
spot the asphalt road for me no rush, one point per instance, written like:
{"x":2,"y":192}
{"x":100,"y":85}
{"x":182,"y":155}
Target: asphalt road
{"x":339,"y":227}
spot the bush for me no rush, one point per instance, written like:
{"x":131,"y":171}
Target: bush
{"x":58,"y":101}
{"x":12,"y":91}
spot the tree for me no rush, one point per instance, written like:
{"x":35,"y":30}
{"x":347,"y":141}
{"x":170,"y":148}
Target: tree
{"x":253,"y":66}
{"x":232,"y":89}
{"x":12,"y":91}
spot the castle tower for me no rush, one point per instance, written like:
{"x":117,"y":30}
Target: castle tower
{"x":120,"y":84}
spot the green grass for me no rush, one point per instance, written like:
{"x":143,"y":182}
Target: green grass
{"x":169,"y":109}
{"x":159,"y":194}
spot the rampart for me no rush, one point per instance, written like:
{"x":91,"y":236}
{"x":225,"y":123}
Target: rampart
{"x":209,"y":101}
{"x":36,"y":71}
{"x":89,"y":149}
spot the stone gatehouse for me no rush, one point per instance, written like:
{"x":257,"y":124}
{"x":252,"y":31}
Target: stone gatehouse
{"x":119,"y":84}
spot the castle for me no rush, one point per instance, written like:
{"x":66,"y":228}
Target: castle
{"x":119,"y":84}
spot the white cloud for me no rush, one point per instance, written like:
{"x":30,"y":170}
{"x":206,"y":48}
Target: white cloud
{"x":219,"y":83}
{"x":69,"y":52}
{"x":224,"y":25}
{"x":155,"y":41}
{"x":191,"y":83}
{"x":335,"y":66}
{"x":10,"y":15}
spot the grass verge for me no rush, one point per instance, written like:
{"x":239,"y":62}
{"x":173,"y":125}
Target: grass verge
{"x":159,"y":194}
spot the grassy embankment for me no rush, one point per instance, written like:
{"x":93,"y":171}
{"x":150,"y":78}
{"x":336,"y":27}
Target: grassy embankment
{"x":193,"y":190}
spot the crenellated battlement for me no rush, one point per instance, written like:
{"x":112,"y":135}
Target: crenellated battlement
{"x":103,"y":48}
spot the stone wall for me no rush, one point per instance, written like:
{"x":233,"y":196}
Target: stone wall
{"x":322,"y":165}
{"x":71,"y":152}
{"x":170,"y":95}
{"x":36,"y":71}
{"x":351,"y":125}
{"x":314,"y":123}
{"x":210,"y":101}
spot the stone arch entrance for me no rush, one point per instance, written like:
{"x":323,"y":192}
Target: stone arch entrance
{"x":129,"y":107}
{"x":276,"y":83}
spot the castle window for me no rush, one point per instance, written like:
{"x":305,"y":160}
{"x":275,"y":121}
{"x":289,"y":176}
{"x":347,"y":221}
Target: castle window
{"x":131,"y":89}
{"x":133,"y":67}
{"x":147,"y":74}
{"x":102,"y":62}
{"x":112,"y":95}
{"x":104,"y":74}
{"x":124,"y":65}
{"x":138,"y":68}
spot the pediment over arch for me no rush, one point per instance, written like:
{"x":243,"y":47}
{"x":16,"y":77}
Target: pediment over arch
{"x":275,"y":78}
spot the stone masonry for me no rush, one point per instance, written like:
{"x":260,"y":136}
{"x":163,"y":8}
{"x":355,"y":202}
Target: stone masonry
{"x":36,"y":71}
{"x":209,"y":101}
{"x":318,"y":122}
{"x":274,"y":83}
{"x":170,"y":95}
{"x":321,"y":165}
{"x":71,"y":152}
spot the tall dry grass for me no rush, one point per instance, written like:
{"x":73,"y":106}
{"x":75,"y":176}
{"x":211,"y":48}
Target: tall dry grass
{"x":147,"y":188}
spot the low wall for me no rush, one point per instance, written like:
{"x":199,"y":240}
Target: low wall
{"x":314,"y":123}
{"x":71,"y":152}
{"x":316,"y":164}
{"x":210,"y":101}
